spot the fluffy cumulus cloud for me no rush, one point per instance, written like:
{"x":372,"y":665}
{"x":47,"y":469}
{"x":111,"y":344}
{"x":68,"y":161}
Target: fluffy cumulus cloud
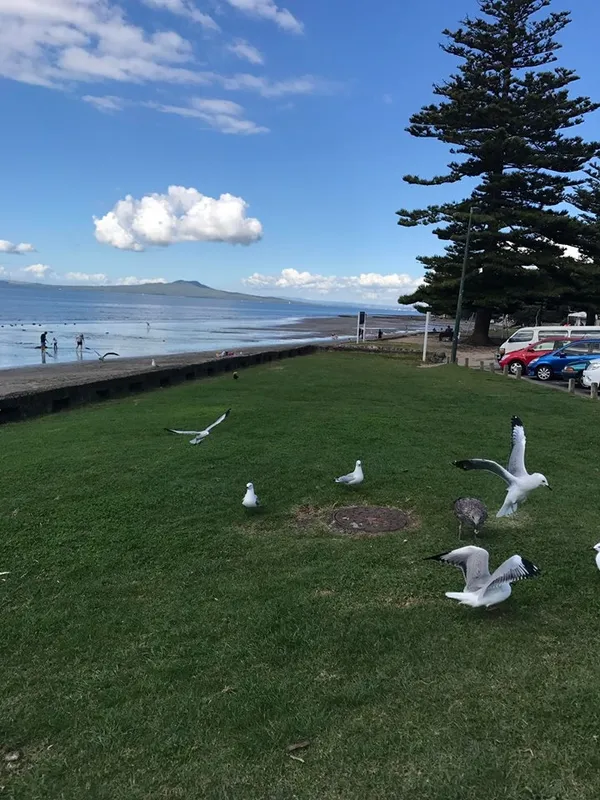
{"x":223,"y":115}
{"x":370,"y":285}
{"x":99,"y":278}
{"x":180,"y":215}
{"x":38,"y":270}
{"x":267,"y":9}
{"x":15,"y":249}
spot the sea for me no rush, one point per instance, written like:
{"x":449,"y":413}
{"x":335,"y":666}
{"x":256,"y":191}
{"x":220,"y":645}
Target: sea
{"x":139,"y":325}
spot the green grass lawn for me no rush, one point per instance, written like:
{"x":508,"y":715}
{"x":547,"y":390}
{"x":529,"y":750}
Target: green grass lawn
{"x":160,"y":641}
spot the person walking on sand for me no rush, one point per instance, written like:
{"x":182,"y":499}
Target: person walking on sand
{"x":55,"y":345}
{"x":43,"y":340}
{"x":79,"y":340}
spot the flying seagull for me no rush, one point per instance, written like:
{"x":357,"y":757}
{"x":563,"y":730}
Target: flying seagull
{"x":481,"y":588}
{"x":199,"y":436}
{"x":353,"y":478}
{"x":101,"y":358}
{"x":471,"y":512}
{"x":250,"y":499}
{"x":519,"y":481}
{"x":597,"y":549}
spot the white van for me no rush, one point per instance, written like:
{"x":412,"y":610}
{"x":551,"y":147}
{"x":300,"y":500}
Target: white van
{"x":526,"y":336}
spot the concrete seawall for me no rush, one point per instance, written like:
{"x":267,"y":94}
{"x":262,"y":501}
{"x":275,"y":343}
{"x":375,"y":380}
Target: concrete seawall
{"x":33,"y":391}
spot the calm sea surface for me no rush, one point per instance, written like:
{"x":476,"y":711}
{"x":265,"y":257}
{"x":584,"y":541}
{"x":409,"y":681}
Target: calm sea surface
{"x":112,"y":321}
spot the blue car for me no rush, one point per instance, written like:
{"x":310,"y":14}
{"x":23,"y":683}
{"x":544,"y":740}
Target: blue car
{"x":568,"y":362}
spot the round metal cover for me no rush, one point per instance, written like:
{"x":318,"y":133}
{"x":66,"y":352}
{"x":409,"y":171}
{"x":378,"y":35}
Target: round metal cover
{"x":370,"y":519}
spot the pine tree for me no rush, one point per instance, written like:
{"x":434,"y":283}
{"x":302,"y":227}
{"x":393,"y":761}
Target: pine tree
{"x":504,"y":113}
{"x":584,"y":289}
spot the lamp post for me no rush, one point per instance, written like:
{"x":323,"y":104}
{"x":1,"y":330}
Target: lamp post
{"x":461,"y":288}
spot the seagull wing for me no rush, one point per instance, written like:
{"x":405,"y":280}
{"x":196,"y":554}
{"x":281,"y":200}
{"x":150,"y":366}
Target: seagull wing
{"x":472,"y":561}
{"x":220,"y":420}
{"x":345,"y":478}
{"x":489,"y":466}
{"x":108,"y":354}
{"x":184,"y":433}
{"x":516,"y":462}
{"x":515,"y":568}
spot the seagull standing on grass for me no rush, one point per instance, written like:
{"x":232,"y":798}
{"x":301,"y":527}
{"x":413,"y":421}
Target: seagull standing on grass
{"x":200,"y":436}
{"x":470,"y":511}
{"x":481,"y":588}
{"x":250,"y":499}
{"x":597,"y":549}
{"x":519,"y":481}
{"x":353,"y":478}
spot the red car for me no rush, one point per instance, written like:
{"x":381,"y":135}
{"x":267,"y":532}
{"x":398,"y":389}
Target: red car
{"x":521,"y":358}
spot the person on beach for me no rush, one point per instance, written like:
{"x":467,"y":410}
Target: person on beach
{"x":43,"y":340}
{"x":55,"y":345}
{"x":79,"y":340}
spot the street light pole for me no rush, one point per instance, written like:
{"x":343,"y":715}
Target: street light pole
{"x":461,"y":289}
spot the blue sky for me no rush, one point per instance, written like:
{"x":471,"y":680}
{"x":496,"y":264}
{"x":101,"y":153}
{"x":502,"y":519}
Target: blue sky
{"x":296,"y":109}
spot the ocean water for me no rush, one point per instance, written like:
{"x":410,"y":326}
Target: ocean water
{"x":117,"y":322}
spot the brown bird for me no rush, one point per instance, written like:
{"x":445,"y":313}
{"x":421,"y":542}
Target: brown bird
{"x":471,"y":512}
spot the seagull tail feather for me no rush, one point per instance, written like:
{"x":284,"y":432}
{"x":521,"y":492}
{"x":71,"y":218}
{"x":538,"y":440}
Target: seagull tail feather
{"x":465,"y":598}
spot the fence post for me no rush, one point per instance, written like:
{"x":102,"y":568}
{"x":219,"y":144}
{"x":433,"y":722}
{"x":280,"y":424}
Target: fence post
{"x":466,"y":362}
{"x":492,"y":367}
{"x":571,"y":385}
{"x":482,"y":365}
{"x":519,"y":372}
{"x":594,"y":391}
{"x":505,"y":369}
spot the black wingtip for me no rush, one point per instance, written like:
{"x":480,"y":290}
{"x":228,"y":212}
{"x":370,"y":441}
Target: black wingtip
{"x":439,"y":557}
{"x":461,"y":464}
{"x":516,"y":422}
{"x":531,"y":568}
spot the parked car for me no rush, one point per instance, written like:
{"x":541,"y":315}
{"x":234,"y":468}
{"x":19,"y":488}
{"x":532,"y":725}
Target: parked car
{"x":554,"y":364}
{"x":522,"y":358}
{"x":533,"y":335}
{"x":591,"y":374}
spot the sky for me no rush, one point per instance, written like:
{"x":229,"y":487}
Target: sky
{"x":249,"y":145}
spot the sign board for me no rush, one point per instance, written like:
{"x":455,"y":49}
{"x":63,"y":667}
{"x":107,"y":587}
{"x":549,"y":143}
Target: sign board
{"x":361,"y":326}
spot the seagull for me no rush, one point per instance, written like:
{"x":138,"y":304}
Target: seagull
{"x":471,"y":512}
{"x":481,"y":588}
{"x":519,"y":481}
{"x":101,"y":358}
{"x":353,"y":478}
{"x":235,"y":376}
{"x":199,"y":436}
{"x":597,"y":549}
{"x":153,"y":364}
{"x":250,"y":499}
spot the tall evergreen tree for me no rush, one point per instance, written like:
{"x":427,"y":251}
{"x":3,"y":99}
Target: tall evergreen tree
{"x":584,"y":288}
{"x":504,"y":113}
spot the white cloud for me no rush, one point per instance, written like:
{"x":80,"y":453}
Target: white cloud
{"x":15,"y":249}
{"x":107,"y":103}
{"x":39,"y":270}
{"x":223,"y":115}
{"x":181,"y":215}
{"x":246,"y":51}
{"x":131,"y":280}
{"x":307,"y":84}
{"x":86,"y":277}
{"x":185,"y":9}
{"x":267,"y":9}
{"x":368,"y":284}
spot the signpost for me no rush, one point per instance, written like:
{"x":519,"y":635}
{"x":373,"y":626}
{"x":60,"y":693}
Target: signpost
{"x":361,"y":326}
{"x":427,"y":319}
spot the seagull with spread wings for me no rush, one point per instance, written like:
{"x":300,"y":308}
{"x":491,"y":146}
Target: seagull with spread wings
{"x":481,"y":588}
{"x":200,"y":436}
{"x":520,"y":482}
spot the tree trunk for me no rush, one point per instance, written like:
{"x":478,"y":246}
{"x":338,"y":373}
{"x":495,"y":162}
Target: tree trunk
{"x":481,"y":332}
{"x":591,"y":316}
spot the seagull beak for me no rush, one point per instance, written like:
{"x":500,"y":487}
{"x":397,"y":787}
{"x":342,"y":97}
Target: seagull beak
{"x":549,"y":487}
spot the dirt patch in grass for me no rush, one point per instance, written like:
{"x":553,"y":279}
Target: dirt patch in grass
{"x":356,"y":521}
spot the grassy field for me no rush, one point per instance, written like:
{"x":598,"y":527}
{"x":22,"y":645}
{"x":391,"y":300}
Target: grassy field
{"x":160,"y":641}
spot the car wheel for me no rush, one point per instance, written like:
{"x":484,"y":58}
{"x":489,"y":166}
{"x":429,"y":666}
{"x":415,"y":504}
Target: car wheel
{"x":514,"y":365}
{"x":543,"y":373}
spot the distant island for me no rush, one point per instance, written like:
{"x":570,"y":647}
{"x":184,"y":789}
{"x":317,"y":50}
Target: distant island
{"x":173,"y":289}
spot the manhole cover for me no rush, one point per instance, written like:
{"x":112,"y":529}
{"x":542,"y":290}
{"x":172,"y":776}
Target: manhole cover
{"x":370,"y":519}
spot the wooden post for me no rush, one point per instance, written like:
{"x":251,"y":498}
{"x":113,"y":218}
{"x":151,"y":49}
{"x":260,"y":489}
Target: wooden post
{"x":466,"y":362}
{"x":594,"y":391}
{"x":505,"y":369}
{"x":519,"y":372}
{"x":492,"y":367}
{"x":571,"y":385}
{"x":482,"y":365}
